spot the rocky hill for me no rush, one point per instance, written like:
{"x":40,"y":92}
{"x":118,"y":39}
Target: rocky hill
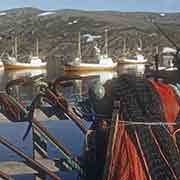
{"x":57,"y":31}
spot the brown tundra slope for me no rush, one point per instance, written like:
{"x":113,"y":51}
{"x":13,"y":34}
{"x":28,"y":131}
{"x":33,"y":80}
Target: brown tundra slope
{"x":57,"y":31}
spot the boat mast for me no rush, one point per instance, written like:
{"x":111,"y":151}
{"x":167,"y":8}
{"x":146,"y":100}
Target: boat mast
{"x":15,"y":47}
{"x":79,"y":46}
{"x":124,"y":46}
{"x":13,"y":52}
{"x":37,"y":47}
{"x":106,"y":42}
{"x":140,"y":43}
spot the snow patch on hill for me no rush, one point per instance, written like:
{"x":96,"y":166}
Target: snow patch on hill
{"x":2,"y":13}
{"x":46,"y":13}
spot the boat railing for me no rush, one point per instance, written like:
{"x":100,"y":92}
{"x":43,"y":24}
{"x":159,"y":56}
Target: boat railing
{"x":41,"y":135}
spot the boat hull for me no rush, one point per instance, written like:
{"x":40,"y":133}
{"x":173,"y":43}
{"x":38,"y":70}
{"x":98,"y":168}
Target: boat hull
{"x":132,"y":61}
{"x":89,"y":67}
{"x":24,"y":66}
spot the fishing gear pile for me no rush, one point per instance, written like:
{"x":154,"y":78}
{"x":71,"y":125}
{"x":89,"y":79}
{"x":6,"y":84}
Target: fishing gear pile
{"x":146,"y":144}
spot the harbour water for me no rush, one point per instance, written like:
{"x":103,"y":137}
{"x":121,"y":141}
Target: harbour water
{"x":64,"y":130}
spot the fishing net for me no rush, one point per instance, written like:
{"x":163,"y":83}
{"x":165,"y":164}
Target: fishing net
{"x":147,"y":139}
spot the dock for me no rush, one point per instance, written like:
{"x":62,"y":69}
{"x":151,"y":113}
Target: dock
{"x":20,"y":168}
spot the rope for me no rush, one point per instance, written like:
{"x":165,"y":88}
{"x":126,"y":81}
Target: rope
{"x":149,"y":123}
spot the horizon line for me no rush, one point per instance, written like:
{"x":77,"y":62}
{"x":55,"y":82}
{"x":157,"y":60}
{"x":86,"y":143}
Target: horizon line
{"x":91,"y":10}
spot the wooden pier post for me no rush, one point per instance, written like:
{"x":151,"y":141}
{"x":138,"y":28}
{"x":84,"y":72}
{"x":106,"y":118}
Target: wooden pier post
{"x":111,"y":140}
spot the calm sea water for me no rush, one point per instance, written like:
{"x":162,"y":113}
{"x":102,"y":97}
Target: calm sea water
{"x":65,"y":131}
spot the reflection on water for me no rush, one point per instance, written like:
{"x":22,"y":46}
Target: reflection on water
{"x":102,"y":76}
{"x":6,"y":76}
{"x":79,"y":87}
{"x":137,"y":69}
{"x":24,"y":73}
{"x":26,"y":93}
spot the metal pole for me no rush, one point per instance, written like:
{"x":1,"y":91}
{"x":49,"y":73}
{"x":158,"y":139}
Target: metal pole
{"x":166,"y":36}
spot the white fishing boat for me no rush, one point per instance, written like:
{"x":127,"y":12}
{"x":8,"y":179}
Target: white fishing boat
{"x":136,"y":58}
{"x":11,"y":62}
{"x":104,"y":62}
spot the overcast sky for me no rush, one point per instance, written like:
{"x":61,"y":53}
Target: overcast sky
{"x":119,"y":5}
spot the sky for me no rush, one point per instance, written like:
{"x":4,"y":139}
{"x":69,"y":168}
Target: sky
{"x":117,"y":5}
